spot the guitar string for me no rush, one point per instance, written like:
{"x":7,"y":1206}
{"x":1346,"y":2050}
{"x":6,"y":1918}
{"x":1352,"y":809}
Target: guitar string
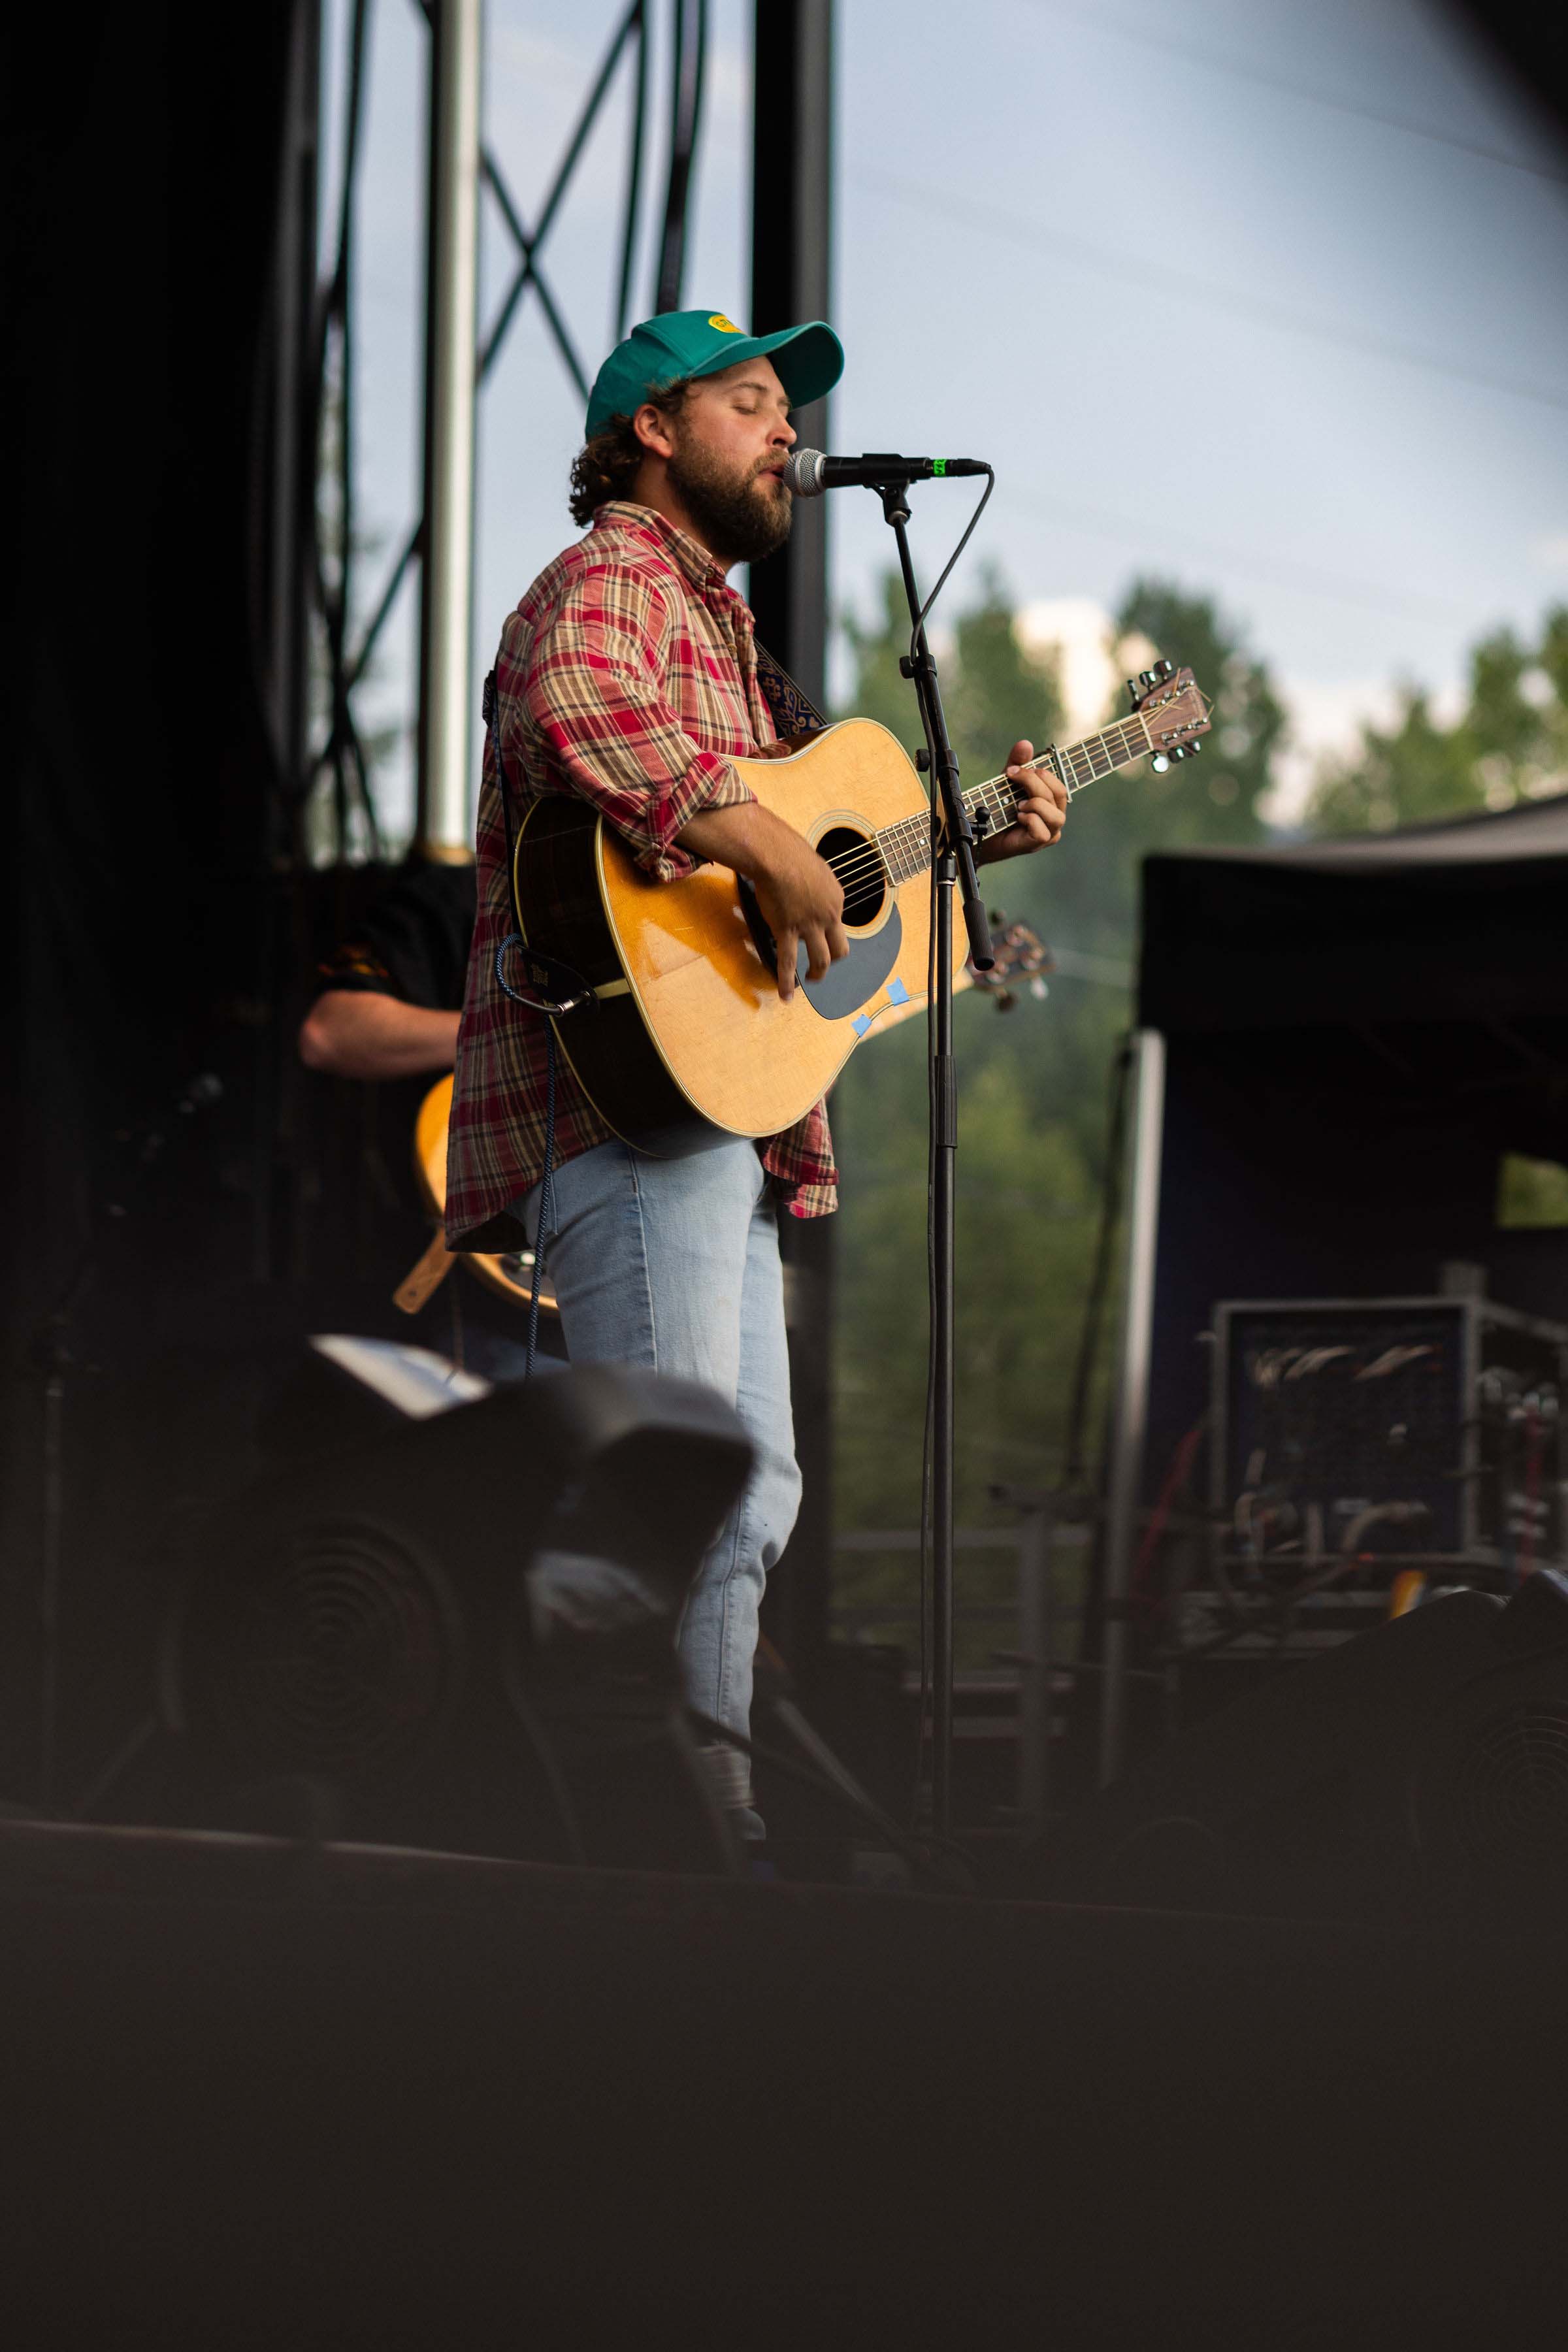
{"x":871,"y":861}
{"x":1068,"y":755}
{"x":864,"y":862}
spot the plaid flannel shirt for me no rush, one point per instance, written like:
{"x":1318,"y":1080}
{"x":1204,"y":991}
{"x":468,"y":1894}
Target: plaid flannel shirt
{"x":629,"y":676}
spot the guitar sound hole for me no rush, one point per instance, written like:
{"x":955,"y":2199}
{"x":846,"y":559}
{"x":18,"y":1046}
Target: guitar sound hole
{"x":858,"y":865}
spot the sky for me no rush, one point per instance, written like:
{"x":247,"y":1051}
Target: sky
{"x":1269,"y":301}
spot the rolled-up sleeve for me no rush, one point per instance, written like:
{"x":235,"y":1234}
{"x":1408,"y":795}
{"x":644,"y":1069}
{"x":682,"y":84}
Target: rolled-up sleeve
{"x":591,"y":695}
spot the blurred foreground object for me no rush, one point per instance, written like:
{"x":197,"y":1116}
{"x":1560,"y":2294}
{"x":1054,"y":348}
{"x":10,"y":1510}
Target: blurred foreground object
{"x":433,"y":1628}
{"x":1531,"y":43}
{"x":1417,"y":1772}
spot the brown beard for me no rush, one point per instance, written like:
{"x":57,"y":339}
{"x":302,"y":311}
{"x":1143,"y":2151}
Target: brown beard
{"x":741,"y":517}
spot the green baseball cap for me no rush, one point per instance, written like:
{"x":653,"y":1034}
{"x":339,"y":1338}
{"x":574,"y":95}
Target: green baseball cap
{"x":679,"y":343}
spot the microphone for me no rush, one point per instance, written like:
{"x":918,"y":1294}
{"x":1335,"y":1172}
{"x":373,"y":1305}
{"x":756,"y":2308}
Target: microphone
{"x":809,"y":473}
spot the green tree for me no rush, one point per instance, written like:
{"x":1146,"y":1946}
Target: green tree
{"x":993,"y":691}
{"x":1215,"y":800}
{"x":880,"y":692}
{"x":997,"y":692}
{"x":1509,"y":743}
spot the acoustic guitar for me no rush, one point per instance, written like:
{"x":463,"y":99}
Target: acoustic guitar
{"x":1020,"y":957}
{"x":684,"y":1040}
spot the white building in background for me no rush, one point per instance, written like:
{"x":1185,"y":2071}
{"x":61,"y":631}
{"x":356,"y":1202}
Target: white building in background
{"x":1077,"y":637}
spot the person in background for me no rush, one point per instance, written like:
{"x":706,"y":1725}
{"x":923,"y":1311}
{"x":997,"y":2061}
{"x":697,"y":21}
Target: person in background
{"x":392,"y":997}
{"x":388,"y":1009}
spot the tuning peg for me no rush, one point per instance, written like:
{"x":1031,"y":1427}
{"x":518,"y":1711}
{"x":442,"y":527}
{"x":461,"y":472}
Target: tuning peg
{"x":1132,"y":692}
{"x":1194,"y":749}
{"x":1178,"y":750}
{"x":1160,"y":763}
{"x":1147,"y":677}
{"x":1164,"y":669}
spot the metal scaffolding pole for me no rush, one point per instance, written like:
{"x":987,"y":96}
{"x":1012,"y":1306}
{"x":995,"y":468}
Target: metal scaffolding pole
{"x":791,"y":201}
{"x":792,"y":194}
{"x":442,"y":827}
{"x":1141,"y":1192}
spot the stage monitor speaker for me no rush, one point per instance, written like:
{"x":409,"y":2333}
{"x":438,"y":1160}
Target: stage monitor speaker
{"x":1420,"y":1769}
{"x":444,"y":1626}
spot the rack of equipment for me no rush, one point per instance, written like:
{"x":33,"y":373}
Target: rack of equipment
{"x":1365,"y":1455}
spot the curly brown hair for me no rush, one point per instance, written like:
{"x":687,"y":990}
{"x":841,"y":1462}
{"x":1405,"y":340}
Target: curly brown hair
{"x":607,"y":466}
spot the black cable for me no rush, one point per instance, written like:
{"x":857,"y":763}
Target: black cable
{"x":545,"y":1233}
{"x":942,"y":583}
{"x":928,"y":1438}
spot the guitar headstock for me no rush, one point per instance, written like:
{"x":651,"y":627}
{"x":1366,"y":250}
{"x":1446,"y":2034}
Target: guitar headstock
{"x":1173,"y":708}
{"x":1021,"y":955}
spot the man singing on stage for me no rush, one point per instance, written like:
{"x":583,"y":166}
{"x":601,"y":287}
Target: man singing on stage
{"x":628,"y":675}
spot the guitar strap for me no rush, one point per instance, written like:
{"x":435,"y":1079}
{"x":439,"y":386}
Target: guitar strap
{"x":569,"y":993}
{"x":489,"y":711}
{"x":570,"y":989}
{"x":794,"y":713}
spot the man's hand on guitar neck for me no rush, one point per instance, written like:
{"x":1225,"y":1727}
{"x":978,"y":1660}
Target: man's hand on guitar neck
{"x":797,"y":892}
{"x":1042,"y":810}
{"x":1042,"y":802}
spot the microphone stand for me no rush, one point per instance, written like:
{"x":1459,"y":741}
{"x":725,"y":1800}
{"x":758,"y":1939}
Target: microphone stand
{"x":953,"y":843}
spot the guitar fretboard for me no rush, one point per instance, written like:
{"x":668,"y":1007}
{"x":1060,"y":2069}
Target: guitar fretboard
{"x":905,"y":847}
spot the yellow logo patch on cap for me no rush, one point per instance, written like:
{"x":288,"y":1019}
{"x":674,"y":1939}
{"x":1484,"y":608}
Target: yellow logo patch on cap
{"x":725,"y":326}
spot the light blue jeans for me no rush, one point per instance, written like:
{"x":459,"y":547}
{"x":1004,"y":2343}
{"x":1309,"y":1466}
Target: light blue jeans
{"x":674,"y":1263}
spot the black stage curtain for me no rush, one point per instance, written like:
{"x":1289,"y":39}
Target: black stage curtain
{"x":143,"y":159}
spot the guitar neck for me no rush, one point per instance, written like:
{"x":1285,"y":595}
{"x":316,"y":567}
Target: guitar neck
{"x":905,"y":847}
